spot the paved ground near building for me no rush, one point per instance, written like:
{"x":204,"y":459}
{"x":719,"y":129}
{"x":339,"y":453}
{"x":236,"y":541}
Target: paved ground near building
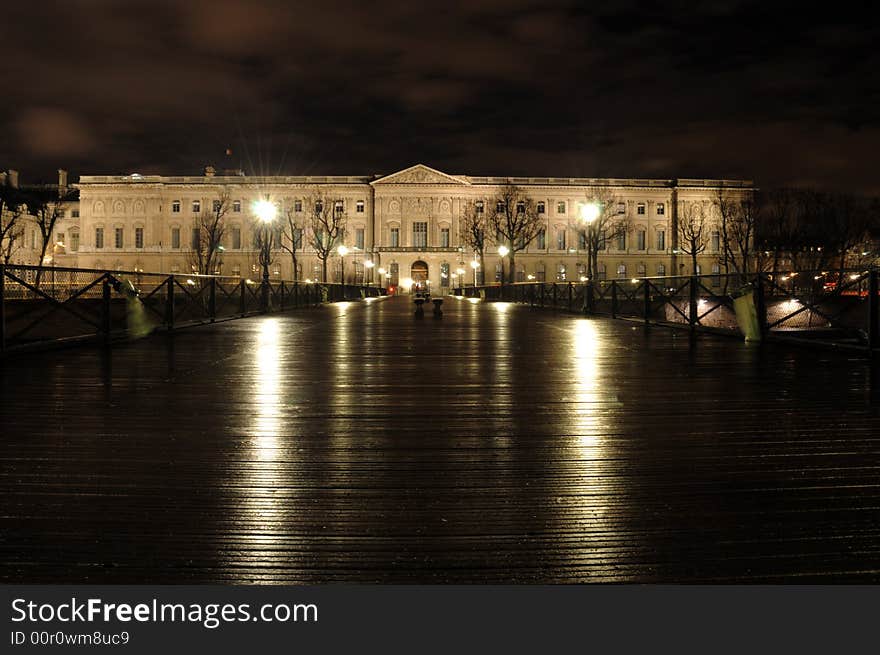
{"x":357,"y":443}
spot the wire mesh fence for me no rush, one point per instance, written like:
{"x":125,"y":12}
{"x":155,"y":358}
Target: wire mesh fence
{"x":44,"y":305}
{"x":841,"y":308}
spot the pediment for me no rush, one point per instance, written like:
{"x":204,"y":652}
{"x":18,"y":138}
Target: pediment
{"x":420,"y":174}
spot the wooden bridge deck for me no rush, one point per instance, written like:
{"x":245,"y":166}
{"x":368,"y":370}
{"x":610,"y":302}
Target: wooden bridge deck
{"x":356,"y":443}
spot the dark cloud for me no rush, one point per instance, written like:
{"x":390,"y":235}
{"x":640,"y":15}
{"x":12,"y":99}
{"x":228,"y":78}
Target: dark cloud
{"x":782,"y":94}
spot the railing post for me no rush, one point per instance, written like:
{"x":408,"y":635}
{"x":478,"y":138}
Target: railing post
{"x":542,"y":294}
{"x":613,"y":298}
{"x":2,"y":308}
{"x":169,"y":302}
{"x":570,"y":297}
{"x":554,"y":295}
{"x":692,"y":304}
{"x":590,"y":300}
{"x":282,"y":295}
{"x":761,"y":305}
{"x":873,"y":309}
{"x":105,"y":309}
{"x":212,"y":300}
{"x":647,"y":302}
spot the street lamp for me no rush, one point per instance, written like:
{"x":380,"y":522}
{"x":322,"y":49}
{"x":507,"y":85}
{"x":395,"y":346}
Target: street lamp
{"x":503,"y":251}
{"x":589,"y":212}
{"x":343,"y":251}
{"x":381,"y":278}
{"x":265,"y":211}
{"x":475,"y":265}
{"x":368,"y":264}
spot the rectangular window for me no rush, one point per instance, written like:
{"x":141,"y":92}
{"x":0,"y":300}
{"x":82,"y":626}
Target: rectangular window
{"x":74,"y":213}
{"x":175,"y":207}
{"x":499,"y":207}
{"x":479,"y":206}
{"x":195,"y":241}
{"x":520,"y":207}
{"x":661,"y":239}
{"x":640,"y":208}
{"x":640,"y":270}
{"x":661,"y":269}
{"x":444,"y":237}
{"x":338,"y":207}
{"x":236,"y":206}
{"x":395,"y":237}
{"x":603,"y":241}
{"x":621,"y":270}
{"x":582,"y":241}
{"x":236,"y":238}
{"x":298,"y":206}
{"x":215,"y":206}
{"x":196,"y":206}
{"x":661,"y":209}
{"x":621,"y":208}
{"x":175,"y":237}
{"x":99,"y":237}
{"x":359,"y":207}
{"x":560,"y":239}
{"x":297,"y":237}
{"x":640,"y":239}
{"x":138,"y":237}
{"x":541,"y":207}
{"x":319,"y":207}
{"x":359,"y":238}
{"x":542,"y":240}
{"x":74,"y":241}
{"x":420,"y":235}
{"x":621,"y":241}
{"x":118,"y":237}
{"x":560,"y":207}
{"x":716,"y":241}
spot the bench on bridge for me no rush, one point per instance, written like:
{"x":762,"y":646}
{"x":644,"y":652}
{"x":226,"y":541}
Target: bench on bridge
{"x":421,"y":298}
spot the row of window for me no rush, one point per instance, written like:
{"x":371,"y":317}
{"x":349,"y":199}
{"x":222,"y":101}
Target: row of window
{"x":562,"y":207}
{"x":420,"y":238}
{"x":196,"y":206}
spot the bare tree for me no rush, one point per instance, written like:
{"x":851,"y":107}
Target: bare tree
{"x":692,"y":231}
{"x":292,"y":235}
{"x":209,"y":228}
{"x":738,"y":216}
{"x":604,"y":222}
{"x":46,"y":204}
{"x":516,"y":222}
{"x":777,"y":232}
{"x":474,"y":228}
{"x":11,"y":219}
{"x":265,"y":244}
{"x":327,"y":226}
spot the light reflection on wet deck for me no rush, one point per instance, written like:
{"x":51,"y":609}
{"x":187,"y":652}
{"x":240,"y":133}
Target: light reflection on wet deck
{"x":357,"y":443}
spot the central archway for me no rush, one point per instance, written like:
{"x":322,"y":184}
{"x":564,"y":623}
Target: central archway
{"x":419,"y":273}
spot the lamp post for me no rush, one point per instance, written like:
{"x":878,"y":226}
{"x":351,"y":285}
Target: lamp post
{"x":503,"y":251}
{"x":265,"y":211}
{"x":343,"y":251}
{"x":475,"y":265}
{"x":368,"y":264}
{"x":589,"y":212}
{"x":381,"y":278}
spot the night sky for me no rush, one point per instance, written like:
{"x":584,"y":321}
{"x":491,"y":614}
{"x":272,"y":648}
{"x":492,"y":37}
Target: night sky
{"x":483,"y":87}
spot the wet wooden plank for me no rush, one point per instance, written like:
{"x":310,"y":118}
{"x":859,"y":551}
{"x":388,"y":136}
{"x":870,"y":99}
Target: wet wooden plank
{"x":357,"y":443}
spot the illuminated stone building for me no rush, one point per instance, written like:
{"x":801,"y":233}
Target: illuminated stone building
{"x":407,"y":224}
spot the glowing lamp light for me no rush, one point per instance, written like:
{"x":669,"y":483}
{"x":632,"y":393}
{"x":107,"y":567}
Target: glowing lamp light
{"x":342,"y":250}
{"x":369,"y":264}
{"x":265,"y":210}
{"x":503,"y":251}
{"x":475,"y":264}
{"x":460,"y":271}
{"x":381,"y":271}
{"x":406,"y":282}
{"x":590,"y":211}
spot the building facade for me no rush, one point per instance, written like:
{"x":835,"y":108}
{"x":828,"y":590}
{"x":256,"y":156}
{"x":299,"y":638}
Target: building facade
{"x":399,"y":228}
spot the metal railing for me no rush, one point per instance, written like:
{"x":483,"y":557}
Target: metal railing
{"x":41,"y":306}
{"x":842,"y":308}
